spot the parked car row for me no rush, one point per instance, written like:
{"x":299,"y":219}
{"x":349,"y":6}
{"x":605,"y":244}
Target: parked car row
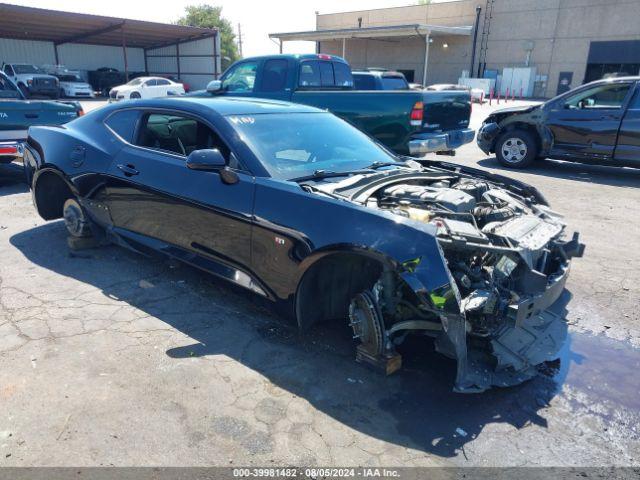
{"x":55,"y":81}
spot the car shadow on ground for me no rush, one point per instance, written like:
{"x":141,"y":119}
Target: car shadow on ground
{"x":599,"y":174}
{"x":414,"y":408}
{"x":12,"y":179}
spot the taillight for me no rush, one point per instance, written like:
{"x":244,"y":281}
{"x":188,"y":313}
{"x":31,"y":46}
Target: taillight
{"x":80,"y":112}
{"x":8,"y":150}
{"x":416,"y":115}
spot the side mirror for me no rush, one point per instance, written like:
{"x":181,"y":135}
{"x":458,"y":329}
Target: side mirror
{"x":210,"y":159}
{"x":214,"y":86}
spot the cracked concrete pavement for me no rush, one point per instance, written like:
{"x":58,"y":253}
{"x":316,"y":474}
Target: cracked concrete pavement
{"x":109,"y":358}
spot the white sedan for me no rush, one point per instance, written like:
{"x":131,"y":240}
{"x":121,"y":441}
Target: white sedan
{"x":477,"y":94}
{"x":145,"y":87}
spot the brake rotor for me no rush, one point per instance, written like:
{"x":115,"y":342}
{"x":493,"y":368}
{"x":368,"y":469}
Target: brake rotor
{"x":366,"y":321}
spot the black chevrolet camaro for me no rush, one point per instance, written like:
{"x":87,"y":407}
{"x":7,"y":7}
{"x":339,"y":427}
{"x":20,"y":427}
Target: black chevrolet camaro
{"x":300,"y":207}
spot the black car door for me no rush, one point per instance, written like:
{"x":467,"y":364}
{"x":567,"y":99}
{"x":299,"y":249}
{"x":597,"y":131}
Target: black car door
{"x":156,"y":201}
{"x":584,"y":124}
{"x":628,"y":148}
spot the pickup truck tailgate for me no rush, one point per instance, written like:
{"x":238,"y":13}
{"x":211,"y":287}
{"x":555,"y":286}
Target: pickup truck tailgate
{"x":16,"y":116}
{"x":446,"y":110}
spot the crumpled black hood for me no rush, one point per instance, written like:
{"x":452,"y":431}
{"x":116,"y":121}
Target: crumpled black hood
{"x":518,"y":109}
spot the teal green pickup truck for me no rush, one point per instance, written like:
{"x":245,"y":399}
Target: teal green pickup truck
{"x":18,"y":114}
{"x":410,"y":122}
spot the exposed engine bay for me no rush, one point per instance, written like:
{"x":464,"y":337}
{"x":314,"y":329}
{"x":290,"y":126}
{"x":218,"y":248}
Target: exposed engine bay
{"x":507,"y":262}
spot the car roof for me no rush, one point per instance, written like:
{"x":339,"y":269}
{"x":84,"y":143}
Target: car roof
{"x":226,"y":105}
{"x":299,"y":56}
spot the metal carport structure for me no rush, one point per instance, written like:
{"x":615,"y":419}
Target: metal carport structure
{"x":388,"y":31}
{"x":159,"y":43}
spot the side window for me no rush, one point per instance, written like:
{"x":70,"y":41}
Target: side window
{"x":178,"y":134}
{"x":600,"y":97}
{"x":8,"y":70}
{"x":364,"y":82}
{"x":343,"y":75}
{"x":162,"y":81}
{"x":240,"y":78}
{"x":326,"y":74}
{"x":151,"y":83}
{"x":274,"y":75}
{"x":123,"y":123}
{"x":309,"y":74}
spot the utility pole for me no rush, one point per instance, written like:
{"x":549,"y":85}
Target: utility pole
{"x":240,"y":40}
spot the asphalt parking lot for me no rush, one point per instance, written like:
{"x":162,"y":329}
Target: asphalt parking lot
{"x":109,"y":358}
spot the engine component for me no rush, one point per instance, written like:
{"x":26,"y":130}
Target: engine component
{"x":448,"y":198}
{"x":463,"y":230}
{"x":417,"y":214}
{"x":475,"y":189}
{"x":492,"y":214}
{"x":527,"y":231}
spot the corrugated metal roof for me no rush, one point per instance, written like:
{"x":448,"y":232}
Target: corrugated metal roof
{"x":28,"y":23}
{"x":374,"y":32}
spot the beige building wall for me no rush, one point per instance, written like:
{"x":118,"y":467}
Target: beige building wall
{"x":559,"y":32}
{"x":406,"y":53}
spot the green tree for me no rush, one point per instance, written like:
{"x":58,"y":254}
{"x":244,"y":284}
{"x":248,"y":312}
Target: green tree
{"x":211,"y":17}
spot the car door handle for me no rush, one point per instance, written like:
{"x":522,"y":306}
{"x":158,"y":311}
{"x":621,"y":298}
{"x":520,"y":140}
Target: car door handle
{"x":129,"y":170}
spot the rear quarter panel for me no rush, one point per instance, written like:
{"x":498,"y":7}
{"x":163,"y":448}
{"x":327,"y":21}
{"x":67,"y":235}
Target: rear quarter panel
{"x":82,"y":150}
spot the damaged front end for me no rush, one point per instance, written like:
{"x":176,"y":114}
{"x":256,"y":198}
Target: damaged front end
{"x":507,"y":263}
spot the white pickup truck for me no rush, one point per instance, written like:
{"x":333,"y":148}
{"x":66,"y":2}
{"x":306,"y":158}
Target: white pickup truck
{"x":31,"y":80}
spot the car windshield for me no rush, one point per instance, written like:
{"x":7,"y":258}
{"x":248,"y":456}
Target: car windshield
{"x":26,"y":69}
{"x":136,"y":81}
{"x":7,"y":88}
{"x":307,"y":143}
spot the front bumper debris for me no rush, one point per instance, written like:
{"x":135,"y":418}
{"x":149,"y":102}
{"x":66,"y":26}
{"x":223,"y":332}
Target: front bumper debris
{"x":424,"y":143}
{"x":532,"y":334}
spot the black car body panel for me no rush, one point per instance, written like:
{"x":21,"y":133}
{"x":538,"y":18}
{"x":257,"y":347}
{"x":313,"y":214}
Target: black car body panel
{"x":323,"y":244}
{"x":599,"y":133}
